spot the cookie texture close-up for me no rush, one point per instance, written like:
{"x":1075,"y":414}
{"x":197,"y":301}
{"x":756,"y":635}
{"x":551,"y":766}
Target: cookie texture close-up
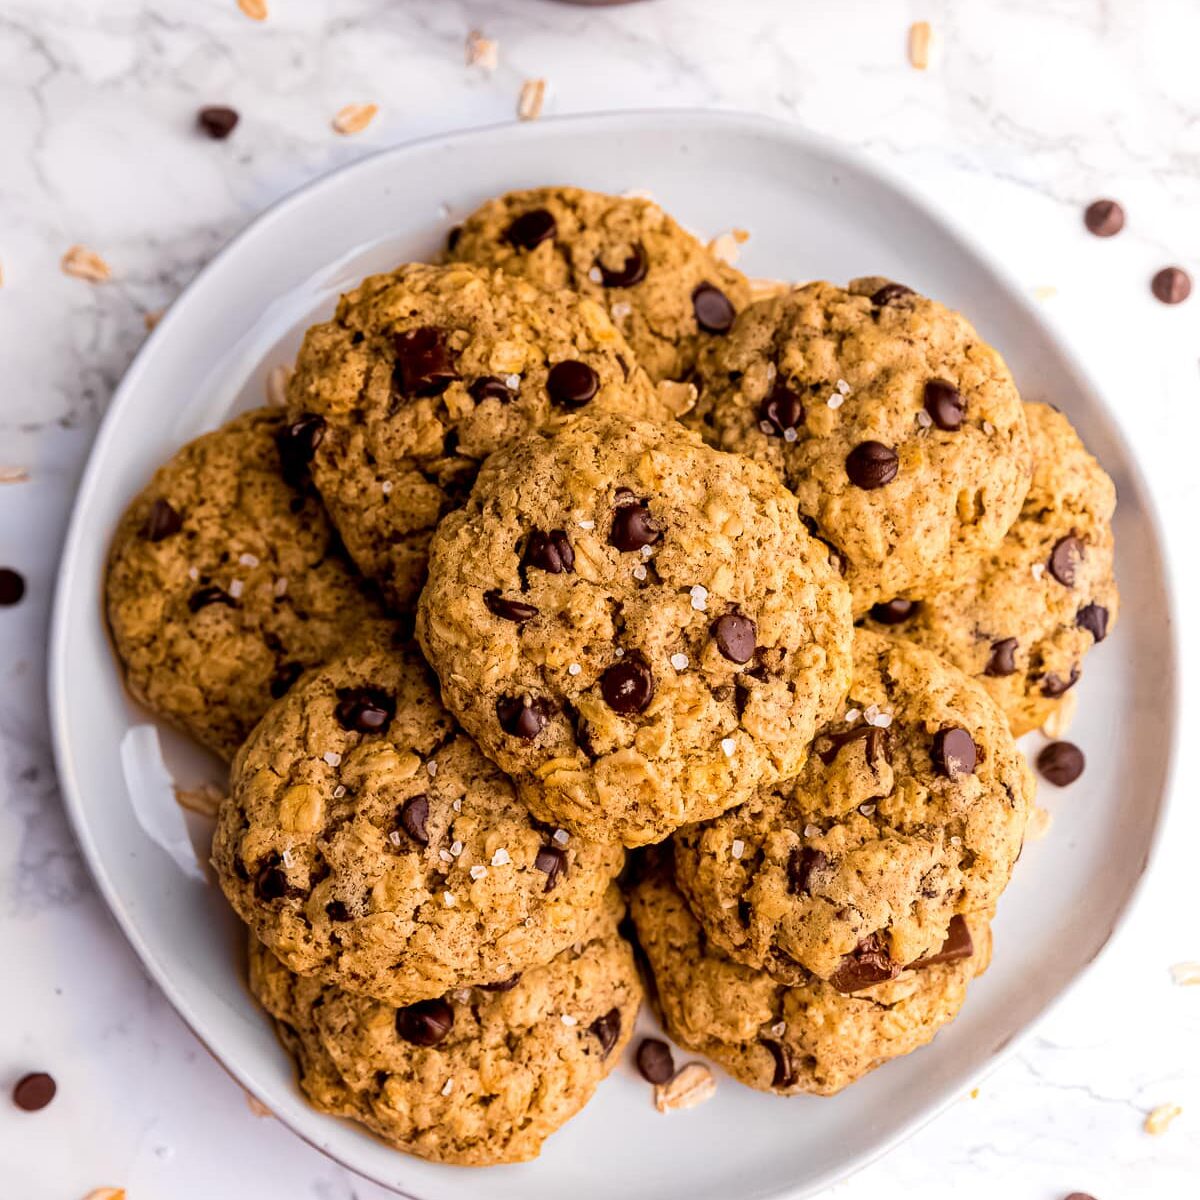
{"x":662,"y":287}
{"x":424,"y":372}
{"x":368,"y":842}
{"x":479,"y":1076}
{"x":226,"y":580}
{"x":897,"y":427}
{"x":1031,"y":609}
{"x":909,"y":812}
{"x":635,"y":626}
{"x":805,"y":1037}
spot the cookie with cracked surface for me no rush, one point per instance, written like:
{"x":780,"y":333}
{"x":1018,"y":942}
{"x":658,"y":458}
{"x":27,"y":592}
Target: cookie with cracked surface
{"x":226,"y":580}
{"x":635,"y":626}
{"x":1023,"y":620}
{"x":665,"y":290}
{"x":897,"y":427}
{"x":420,"y":375}
{"x":370,"y":844}
{"x":807,"y":1037}
{"x":476,"y":1077}
{"x":909,"y":812}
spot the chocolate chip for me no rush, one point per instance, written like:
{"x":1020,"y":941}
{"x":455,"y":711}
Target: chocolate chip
{"x":607,"y":1029}
{"x":425,"y":1023}
{"x":1064,"y":559}
{"x":491,"y":387}
{"x":531,"y":229}
{"x":894,"y":612}
{"x":412,"y":816}
{"x":1002,"y":660}
{"x":336,"y":910}
{"x":203,"y":597}
{"x":1104,"y":218}
{"x":572,"y":384}
{"x":217,"y":120}
{"x":522,"y":716}
{"x":631,"y":272}
{"x":1172,"y":285}
{"x":161,"y":522}
{"x":503,"y":985}
{"x":785,"y":1072}
{"x":632,"y":525}
{"x":1093,"y":618}
{"x":782,"y":409}
{"x":958,"y":944}
{"x":801,"y":864}
{"x":714,"y":313}
{"x":628,"y":685}
{"x":654,"y":1060}
{"x":452,"y":237}
{"x":1061,"y":763}
{"x":871,"y":465}
{"x":508,"y":610}
{"x":867,"y":964}
{"x":889,"y":293}
{"x":271,"y":882}
{"x":549,"y":552}
{"x":12,"y":587}
{"x":734,"y":635}
{"x":1054,"y":685}
{"x":878,"y":743}
{"x":364,"y":709}
{"x":424,"y":364}
{"x":954,"y":752}
{"x":285,"y":675}
{"x":944,"y":403}
{"x":553,"y":861}
{"x":34,"y":1091}
{"x":297,"y":445}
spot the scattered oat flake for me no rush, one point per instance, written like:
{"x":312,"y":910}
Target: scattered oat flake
{"x":205,"y":799}
{"x":1038,"y":824}
{"x":277,"y":383}
{"x":561,"y":836}
{"x":1047,"y":291}
{"x":1158,"y":1119}
{"x":919,"y":36}
{"x":728,"y":745}
{"x":112,"y":1193}
{"x":1057,"y":724}
{"x":1186,"y":974}
{"x":691,"y":1085}
{"x":13,"y":475}
{"x":257,"y":1107}
{"x":482,"y":51}
{"x":569,"y":1020}
{"x":256,"y":10}
{"x":478,"y":871}
{"x":531,"y":99}
{"x":501,"y":858}
{"x":727,"y":246}
{"x":332,"y":757}
{"x":82,"y":263}
{"x":737,"y":847}
{"x":354,"y":118}
{"x":679,"y":662}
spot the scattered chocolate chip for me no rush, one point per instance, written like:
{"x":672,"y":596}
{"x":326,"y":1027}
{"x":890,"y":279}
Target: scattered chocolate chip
{"x":734,"y":635}
{"x":785,"y":1073}
{"x":1172,"y":285}
{"x":867,"y":964}
{"x":1002,"y":660}
{"x":628,"y":685}
{"x":553,"y":861}
{"x":944,"y":403}
{"x":217,"y":120}
{"x":503,"y":985}
{"x":34,"y":1091}
{"x":889,"y":293}
{"x":531,"y":229}
{"x":549,"y":552}
{"x":782,"y":409}
{"x":424,"y":364}
{"x":425,"y":1023}
{"x":954,"y":752}
{"x":364,"y":709}
{"x":491,"y":387}
{"x":452,"y":236}
{"x":958,"y":944}
{"x":161,"y":522}
{"x":871,"y":465}
{"x":714,"y":313}
{"x":271,"y":882}
{"x":654,"y":1060}
{"x":203,"y":597}
{"x":1054,"y":685}
{"x":571,"y":383}
{"x":522,"y":716}
{"x":632,"y":525}
{"x":607,"y":1029}
{"x":508,"y":610}
{"x":285,"y":675}
{"x":1061,"y":763}
{"x":894,"y":612}
{"x":336,"y":910}
{"x":801,"y":864}
{"x":412,"y":816}
{"x":1093,"y":618}
{"x":631,"y":272}
{"x":1064,"y":559}
{"x":1104,"y":218}
{"x":12,"y":587}
{"x":297,"y":444}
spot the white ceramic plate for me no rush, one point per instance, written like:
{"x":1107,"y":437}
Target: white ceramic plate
{"x":815,"y":211}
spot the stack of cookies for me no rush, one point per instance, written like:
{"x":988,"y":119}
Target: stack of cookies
{"x":577,"y":543}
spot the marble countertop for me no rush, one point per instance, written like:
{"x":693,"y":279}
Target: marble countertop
{"x":1030,"y":109}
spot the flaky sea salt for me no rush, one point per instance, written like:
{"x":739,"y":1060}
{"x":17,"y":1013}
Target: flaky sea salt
{"x":766,"y":427}
{"x":595,"y":275}
{"x":574,"y":669}
{"x":457,"y":805}
{"x":339,"y":791}
{"x":560,"y":836}
{"x":280,"y":585}
{"x":569,"y":1020}
{"x":924,"y":419}
{"x":587,"y":524}
{"x":478,"y":871}
{"x":639,"y":572}
{"x":679,"y":662}
{"x":501,"y":858}
{"x":852,"y":715}
{"x":448,"y":899}
{"x":1038,"y":570}
{"x":512,"y":382}
{"x":812,"y":831}
{"x":621,"y":309}
{"x":790,"y":435}
{"x":448,"y":1086}
{"x":779,"y":1028}
{"x":867,"y":810}
{"x":988,"y":428}
{"x":236,"y":588}
{"x":386,"y":487}
{"x":736,"y":847}
{"x":836,"y":400}
{"x":248,"y":560}
{"x":332,"y":757}
{"x":728,"y":745}
{"x":445,"y":855}
{"x":287,"y":859}
{"x":699,"y":595}
{"x":394,"y":837}
{"x":843,"y":387}
{"x":456,"y":848}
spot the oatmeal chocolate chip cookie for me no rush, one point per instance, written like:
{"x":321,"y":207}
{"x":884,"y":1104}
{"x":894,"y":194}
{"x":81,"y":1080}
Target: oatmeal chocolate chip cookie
{"x":899,"y":430}
{"x":369,"y":843}
{"x":226,"y":581}
{"x":422,"y":374}
{"x":808,"y":1037}
{"x":665,"y":291}
{"x":1030,"y":610}
{"x":479,"y":1076}
{"x":634,"y":625}
{"x":910,"y":811}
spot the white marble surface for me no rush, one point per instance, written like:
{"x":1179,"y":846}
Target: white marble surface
{"x":1032,"y":108}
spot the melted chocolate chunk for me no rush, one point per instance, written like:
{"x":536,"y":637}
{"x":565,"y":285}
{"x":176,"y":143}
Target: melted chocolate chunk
{"x":894,"y":612}
{"x":203,"y":597}
{"x":954,"y":752}
{"x":1002,"y":659}
{"x":508,"y":610}
{"x":606,"y":1030}
{"x":631,"y":272}
{"x":1065,"y":559}
{"x":1093,"y":618}
{"x":364,"y":709}
{"x":734,"y":635}
{"x":522,"y":717}
{"x":531,"y":229}
{"x":412,"y":816}
{"x":628,"y":685}
{"x":802,"y":862}
{"x":869,"y":963}
{"x":424,"y":364}
{"x":553,"y":861}
{"x":550,"y":552}
{"x":297,"y":445}
{"x":632,"y":525}
{"x":161,"y":522}
{"x":958,"y":944}
{"x":425,"y":1023}
{"x":785,"y":1072}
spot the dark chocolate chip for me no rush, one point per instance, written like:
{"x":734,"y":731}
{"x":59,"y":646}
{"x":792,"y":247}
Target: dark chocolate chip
{"x":714,"y":313}
{"x":285,"y":675}
{"x":785,"y":1072}
{"x":1002,"y":660}
{"x":889,"y":293}
{"x":364,"y":709}
{"x":734,"y":635}
{"x":217,"y":120}
{"x":894,"y":612}
{"x":424,"y":363}
{"x":523,"y":717}
{"x":1061,"y":763}
{"x":654,"y":1060}
{"x":549,"y":552}
{"x":502,"y":985}
{"x":425,"y":1023}
{"x":878,"y":743}
{"x":161,"y":522}
{"x":944,"y":403}
{"x":802,"y":862}
{"x":203,"y":597}
{"x":782,"y":409}
{"x":553,"y":861}
{"x":531,"y":229}
{"x":1064,"y":560}
{"x":571,"y":383}
{"x":958,"y":944}
{"x":508,"y":610}
{"x":1054,"y":685}
{"x":1104,"y":218}
{"x":34,"y":1091}
{"x":954,"y":752}
{"x":867,"y":964}
{"x":297,"y":444}
{"x":412,"y":817}
{"x":606,"y":1030}
{"x":1093,"y":618}
{"x":1172,"y":285}
{"x":336,"y":910}
{"x":871,"y":465}
{"x":12,"y":587}
{"x":491,"y":387}
{"x":628,"y":685}
{"x":632,"y":270}
{"x":271,"y":881}
{"x":452,"y":236}
{"x":632,"y":525}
